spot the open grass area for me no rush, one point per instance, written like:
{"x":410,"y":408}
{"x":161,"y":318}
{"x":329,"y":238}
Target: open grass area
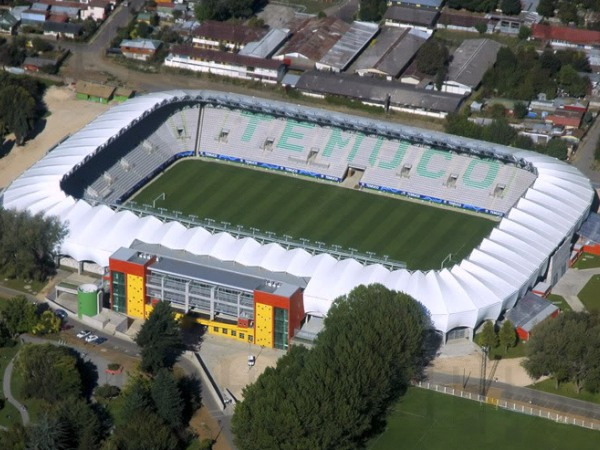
{"x":310,"y":6}
{"x":9,"y":414}
{"x":34,"y":406}
{"x":417,"y":233}
{"x":566,"y":390}
{"x":559,"y":301}
{"x":590,"y":294}
{"x":587,"y":261}
{"x":426,"y":420}
{"x":518,"y":351}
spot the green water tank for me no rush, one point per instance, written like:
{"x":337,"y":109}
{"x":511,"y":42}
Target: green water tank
{"x":87,"y":300}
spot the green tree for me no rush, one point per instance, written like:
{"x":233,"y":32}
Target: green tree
{"x":372,"y":10}
{"x":481,"y":28}
{"x":353,"y":373}
{"x":432,"y":57}
{"x":17,"y":107}
{"x":520,"y":110}
{"x":510,"y":7}
{"x":40,"y":45}
{"x":167,"y":398}
{"x":557,"y":148}
{"x":6,"y":337}
{"x":143,"y":432}
{"x":13,"y":438}
{"x":47,"y":433}
{"x":49,"y":372}
{"x":82,"y":426}
{"x":160,"y":339}
{"x":507,"y":335}
{"x":524,"y":33}
{"x":29,"y":244}
{"x":570,"y":81}
{"x":489,"y":338}
{"x":19,"y":315}
{"x":546,"y":8}
{"x":48,"y":323}
{"x":136,"y":399}
{"x":567,"y":12}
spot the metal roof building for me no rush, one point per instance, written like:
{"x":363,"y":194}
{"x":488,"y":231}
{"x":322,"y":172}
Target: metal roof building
{"x":521,"y":249}
{"x":339,"y":57}
{"x":469,"y":63}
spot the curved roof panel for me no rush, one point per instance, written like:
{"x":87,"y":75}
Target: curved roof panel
{"x":489,"y":280}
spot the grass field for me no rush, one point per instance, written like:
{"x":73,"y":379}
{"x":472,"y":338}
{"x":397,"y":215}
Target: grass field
{"x":421,"y":235}
{"x":589,"y":294}
{"x":426,"y":420}
{"x":587,"y":261}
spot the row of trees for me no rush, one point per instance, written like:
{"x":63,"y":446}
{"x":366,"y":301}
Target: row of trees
{"x":336,"y":395}
{"x":28,"y":243}
{"x":227,"y":9}
{"x":505,"y":337}
{"x":19,"y":315}
{"x":500,"y":132}
{"x":509,"y":7}
{"x":567,"y":348}
{"x":524,"y":74}
{"x":568,"y":11}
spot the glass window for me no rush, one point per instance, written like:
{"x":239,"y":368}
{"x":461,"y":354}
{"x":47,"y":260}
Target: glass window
{"x":251,"y":339}
{"x":224,"y":330}
{"x":242,"y":335}
{"x":216,"y":329}
{"x":233,"y":333}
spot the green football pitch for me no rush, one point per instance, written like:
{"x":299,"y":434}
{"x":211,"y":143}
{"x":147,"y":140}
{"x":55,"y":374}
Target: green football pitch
{"x":414,"y":232}
{"x":427,"y":420}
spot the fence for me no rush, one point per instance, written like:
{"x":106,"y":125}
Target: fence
{"x":263,"y":237}
{"x":510,"y":406}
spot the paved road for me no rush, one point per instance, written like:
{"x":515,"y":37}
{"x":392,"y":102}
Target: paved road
{"x":584,"y":158}
{"x":531,"y":397}
{"x":8,"y":393}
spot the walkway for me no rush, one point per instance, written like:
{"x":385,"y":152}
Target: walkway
{"x":572,"y":283}
{"x":8,"y":393}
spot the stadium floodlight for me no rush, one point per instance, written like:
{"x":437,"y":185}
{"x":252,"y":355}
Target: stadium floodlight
{"x":210,"y":221}
{"x":319,"y":243}
{"x":352,"y":250}
{"x":225,"y":224}
{"x":254,"y":230}
{"x":287,"y":237}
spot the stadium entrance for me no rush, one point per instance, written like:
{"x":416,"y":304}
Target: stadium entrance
{"x":459,"y":333}
{"x":353,"y":176}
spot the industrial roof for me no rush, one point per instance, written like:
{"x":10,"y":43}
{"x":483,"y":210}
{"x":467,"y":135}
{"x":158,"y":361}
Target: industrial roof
{"x":565,"y":34}
{"x":420,"y":3}
{"x":376,"y":90}
{"x":234,"y":59}
{"x":350,"y":45}
{"x":393,"y":50}
{"x":530,"y":311}
{"x":411,"y":16}
{"x":265,"y":47}
{"x":471,"y":60}
{"x":228,"y":32}
{"x":313,"y":38}
{"x":142,"y":44}
{"x":590,"y":230}
{"x":491,"y":279}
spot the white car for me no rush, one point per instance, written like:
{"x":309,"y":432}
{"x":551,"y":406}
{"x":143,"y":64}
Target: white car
{"x":251,"y":360}
{"x":91,"y":338}
{"x":83,"y":333}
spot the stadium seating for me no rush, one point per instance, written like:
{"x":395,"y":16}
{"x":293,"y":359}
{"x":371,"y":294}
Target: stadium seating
{"x":286,"y":143}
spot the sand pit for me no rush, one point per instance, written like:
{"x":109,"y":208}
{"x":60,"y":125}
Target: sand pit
{"x":67,"y":115}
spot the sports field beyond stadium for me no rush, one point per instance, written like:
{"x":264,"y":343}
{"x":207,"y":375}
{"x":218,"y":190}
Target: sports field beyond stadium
{"x":417,"y":233}
{"x":427,"y":420}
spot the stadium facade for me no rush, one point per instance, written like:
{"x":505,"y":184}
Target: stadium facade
{"x":540,"y":202}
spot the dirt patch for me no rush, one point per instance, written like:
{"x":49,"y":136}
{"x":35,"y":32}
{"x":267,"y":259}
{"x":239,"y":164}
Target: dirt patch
{"x":67,"y":115}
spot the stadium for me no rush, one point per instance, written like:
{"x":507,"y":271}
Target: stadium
{"x":266,"y":288}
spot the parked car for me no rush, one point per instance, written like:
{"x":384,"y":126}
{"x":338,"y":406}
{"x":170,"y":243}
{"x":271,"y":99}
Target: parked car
{"x":91,"y":338}
{"x":100,"y":340}
{"x":61,"y":313}
{"x":251,"y":360}
{"x":83,"y":333}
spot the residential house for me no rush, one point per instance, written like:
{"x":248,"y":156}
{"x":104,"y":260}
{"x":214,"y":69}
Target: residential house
{"x":96,"y":10}
{"x":565,"y":118}
{"x":93,"y":92}
{"x":141,"y":49}
{"x":8,"y":22}
{"x":61,"y":30}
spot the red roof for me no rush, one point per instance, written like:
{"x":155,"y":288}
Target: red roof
{"x":228,"y":32}
{"x":565,"y":118}
{"x":59,"y":18}
{"x":565,"y":34}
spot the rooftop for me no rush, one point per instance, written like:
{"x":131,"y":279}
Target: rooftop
{"x":143,"y":44}
{"x":352,"y":42}
{"x":265,"y":47}
{"x":565,"y":34}
{"x":413,"y":16}
{"x":94,"y":89}
{"x":471,"y":60}
{"x":420,"y":3}
{"x":530,"y":311}
{"x":224,"y":57}
{"x":228,"y":32}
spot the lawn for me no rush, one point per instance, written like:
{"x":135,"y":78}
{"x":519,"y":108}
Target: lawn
{"x":559,"y":301}
{"x":590,"y":294}
{"x":9,"y":414}
{"x":34,"y":406}
{"x":587,"y":261}
{"x":310,"y":6}
{"x":417,"y":233}
{"x":518,"y":351}
{"x":429,"y":421}
{"x":566,"y":390}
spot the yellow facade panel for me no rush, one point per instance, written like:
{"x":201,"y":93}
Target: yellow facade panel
{"x":135,"y":296}
{"x":263,"y":325}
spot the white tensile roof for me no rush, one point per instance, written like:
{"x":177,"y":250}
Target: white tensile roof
{"x":492,"y":278}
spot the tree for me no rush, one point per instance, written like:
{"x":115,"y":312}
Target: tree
{"x":14,"y":438}
{"x":481,"y":27}
{"x":432,"y":57}
{"x":40,"y":45}
{"x":507,"y":335}
{"x":353,"y":373}
{"x":546,"y":8}
{"x":48,"y":323}
{"x":143,"y":432}
{"x":48,"y":433}
{"x":49,"y":372}
{"x":18,"y":315}
{"x":167,"y":398}
{"x":17,"y":107}
{"x":28,"y":244}
{"x":567,"y":12}
{"x":510,"y":7}
{"x":372,"y":10}
{"x":6,"y":337}
{"x":136,"y":399}
{"x":520,"y":110}
{"x":570,"y":81}
{"x":557,"y":148}
{"x":489,"y":338}
{"x":524,"y":33}
{"x":160,"y":339}
{"x":81,"y":424}
{"x":107,"y":391}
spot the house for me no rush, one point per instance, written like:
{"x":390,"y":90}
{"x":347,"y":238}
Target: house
{"x":393,"y":50}
{"x":37,"y":63}
{"x":141,"y":49}
{"x":227,"y":64}
{"x":223,"y":35}
{"x":376,"y":92}
{"x":61,"y":30}
{"x":93,"y":92}
{"x":311,"y":40}
{"x":8,"y":22}
{"x":96,"y":10}
{"x":462,"y":21}
{"x":565,"y":118}
{"x":121,"y":94}
{"x":561,"y":37}
{"x":469,"y":63}
{"x":412,"y":76}
{"x":528,"y":312}
{"x":344,"y":51}
{"x":499,"y":23}
{"x":406,"y":17}
{"x":34,"y":17}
